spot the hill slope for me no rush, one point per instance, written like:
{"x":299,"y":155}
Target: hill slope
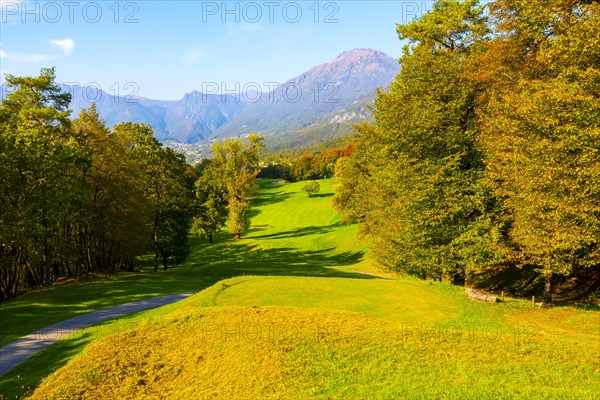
{"x":327,"y":334}
{"x":311,"y":355}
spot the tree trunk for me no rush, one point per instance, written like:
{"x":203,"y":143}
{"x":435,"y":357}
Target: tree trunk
{"x":89,"y":261}
{"x":210,"y":239}
{"x":165,"y":260}
{"x":238,"y":235}
{"x":155,"y":242}
{"x":47,"y":267}
{"x":547,"y":290}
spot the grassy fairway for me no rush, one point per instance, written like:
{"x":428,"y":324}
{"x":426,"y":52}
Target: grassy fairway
{"x":298,"y":321}
{"x":321,"y":247}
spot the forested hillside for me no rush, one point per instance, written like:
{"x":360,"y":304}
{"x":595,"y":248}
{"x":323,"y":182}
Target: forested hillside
{"x":76,"y":197}
{"x":485,"y":154}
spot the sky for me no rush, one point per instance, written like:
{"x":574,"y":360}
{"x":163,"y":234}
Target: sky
{"x":164,"y":49}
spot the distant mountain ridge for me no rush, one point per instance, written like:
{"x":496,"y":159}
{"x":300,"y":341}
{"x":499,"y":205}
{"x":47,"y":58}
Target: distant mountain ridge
{"x":331,"y":93}
{"x":324,"y":89}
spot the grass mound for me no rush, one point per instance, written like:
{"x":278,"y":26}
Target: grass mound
{"x":278,"y":352}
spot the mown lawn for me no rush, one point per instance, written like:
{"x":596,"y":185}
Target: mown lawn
{"x":320,"y":247}
{"x":291,"y":235}
{"x":298,"y":321}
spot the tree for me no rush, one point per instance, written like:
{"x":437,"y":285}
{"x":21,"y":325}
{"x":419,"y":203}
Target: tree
{"x":416,"y":180}
{"x":76,"y":197}
{"x":485,"y":151}
{"x":311,"y":188}
{"x":303,"y":167}
{"x":232,"y":171}
{"x":238,"y":219}
{"x":43,"y":167}
{"x":352,"y":174}
{"x":176,"y":211}
{"x":541,"y":134}
{"x":211,"y":201}
{"x":165,"y":187}
{"x":113,"y":229}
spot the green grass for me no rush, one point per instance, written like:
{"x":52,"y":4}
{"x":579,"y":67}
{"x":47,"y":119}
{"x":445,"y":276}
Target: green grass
{"x":386,"y":299}
{"x":341,"y":334}
{"x":255,"y":337}
{"x":287,"y":238}
{"x":320,"y":247}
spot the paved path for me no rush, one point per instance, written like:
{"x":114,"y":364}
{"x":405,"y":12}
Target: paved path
{"x":20,"y":350}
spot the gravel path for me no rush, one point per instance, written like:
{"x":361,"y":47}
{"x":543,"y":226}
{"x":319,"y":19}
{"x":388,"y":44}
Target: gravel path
{"x":20,"y":350}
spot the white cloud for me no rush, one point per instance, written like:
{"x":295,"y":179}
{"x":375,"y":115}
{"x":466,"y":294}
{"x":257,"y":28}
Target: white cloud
{"x":192,"y":56}
{"x":241,"y":31}
{"x":66,"y":47}
{"x":248,"y":27}
{"x":27,"y":57}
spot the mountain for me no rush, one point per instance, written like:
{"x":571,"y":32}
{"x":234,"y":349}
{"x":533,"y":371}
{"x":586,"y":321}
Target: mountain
{"x":193,"y":118}
{"x":325,"y":100}
{"x":326,"y":89}
{"x":197,"y":116}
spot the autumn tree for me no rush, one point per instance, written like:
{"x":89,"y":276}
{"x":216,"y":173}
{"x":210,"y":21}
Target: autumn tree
{"x":113,"y":229}
{"x":485,"y":150}
{"x":165,"y":188}
{"x":76,"y":197}
{"x":541,"y":131}
{"x":416,"y":180}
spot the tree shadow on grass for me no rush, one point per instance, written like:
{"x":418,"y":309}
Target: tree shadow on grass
{"x":309,"y":230}
{"x":270,"y":198}
{"x":232,"y":259}
{"x":253,"y":212}
{"x":588,"y":306}
{"x":290,"y":260}
{"x":207,"y":265}
{"x":579,"y":291}
{"x":210,"y":263}
{"x":255,"y":229}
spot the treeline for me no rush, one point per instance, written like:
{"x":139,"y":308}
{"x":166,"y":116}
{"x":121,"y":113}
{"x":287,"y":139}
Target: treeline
{"x":76,"y":197}
{"x":305,"y":165}
{"x":485,"y":153}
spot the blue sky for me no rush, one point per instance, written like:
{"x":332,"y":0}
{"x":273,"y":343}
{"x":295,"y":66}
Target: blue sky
{"x":168,"y":48}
